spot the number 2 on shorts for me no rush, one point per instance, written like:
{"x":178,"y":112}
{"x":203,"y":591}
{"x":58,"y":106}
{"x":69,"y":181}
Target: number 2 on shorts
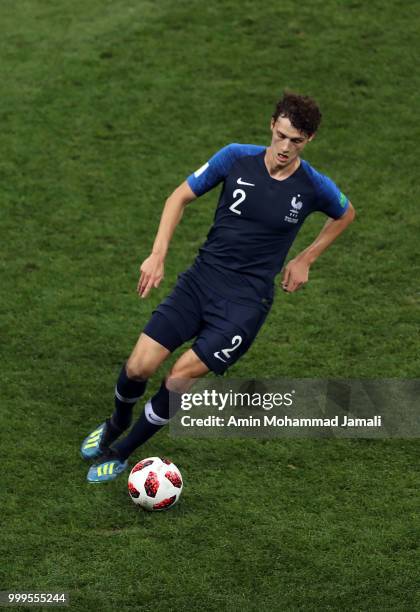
{"x":236,"y":342}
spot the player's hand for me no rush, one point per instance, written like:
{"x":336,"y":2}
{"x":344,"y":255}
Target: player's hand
{"x":295,"y":275}
{"x":151,"y":274}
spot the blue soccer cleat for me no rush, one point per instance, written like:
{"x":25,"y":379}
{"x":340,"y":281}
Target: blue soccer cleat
{"x":108,"y":467}
{"x":99,"y":440}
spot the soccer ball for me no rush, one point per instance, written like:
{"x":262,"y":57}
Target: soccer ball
{"x":155,"y":483}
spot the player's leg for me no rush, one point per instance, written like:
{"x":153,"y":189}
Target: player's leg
{"x":154,"y":416}
{"x":176,"y":320}
{"x":156,"y":412}
{"x":145,"y":359}
{"x":229,"y":332}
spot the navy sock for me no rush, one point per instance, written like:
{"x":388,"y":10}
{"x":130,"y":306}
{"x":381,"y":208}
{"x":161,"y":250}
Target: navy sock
{"x":127,"y":392}
{"x":154,"y":416}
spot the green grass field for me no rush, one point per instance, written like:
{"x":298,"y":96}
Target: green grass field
{"x":105,"y":108}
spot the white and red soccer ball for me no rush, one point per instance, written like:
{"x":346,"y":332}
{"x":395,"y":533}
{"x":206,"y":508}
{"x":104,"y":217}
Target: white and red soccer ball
{"x":155,"y":483}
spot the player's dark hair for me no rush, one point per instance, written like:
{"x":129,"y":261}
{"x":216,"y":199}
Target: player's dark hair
{"x":302,"y":112}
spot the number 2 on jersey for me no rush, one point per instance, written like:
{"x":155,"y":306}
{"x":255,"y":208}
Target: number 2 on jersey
{"x":242,"y":195}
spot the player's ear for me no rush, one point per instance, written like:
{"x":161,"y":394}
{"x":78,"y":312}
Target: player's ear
{"x":272,"y":123}
{"x":311,"y":137}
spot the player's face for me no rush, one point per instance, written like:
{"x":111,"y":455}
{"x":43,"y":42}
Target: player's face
{"x":286,"y":142}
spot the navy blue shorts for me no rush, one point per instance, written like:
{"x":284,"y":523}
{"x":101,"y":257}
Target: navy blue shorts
{"x":223,"y":329}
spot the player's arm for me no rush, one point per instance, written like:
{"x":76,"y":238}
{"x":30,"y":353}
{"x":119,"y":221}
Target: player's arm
{"x":152,"y":268}
{"x":296,"y":272}
{"x":197,"y":184}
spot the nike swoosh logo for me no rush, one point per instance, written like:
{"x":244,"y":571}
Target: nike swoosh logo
{"x":241,"y":182}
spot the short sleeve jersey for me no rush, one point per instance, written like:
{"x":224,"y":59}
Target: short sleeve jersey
{"x":257,"y":218}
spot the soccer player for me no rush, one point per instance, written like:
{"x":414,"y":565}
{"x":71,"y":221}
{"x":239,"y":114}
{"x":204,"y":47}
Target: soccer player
{"x":223,"y":299}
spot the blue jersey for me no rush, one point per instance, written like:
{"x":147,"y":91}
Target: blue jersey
{"x":256,"y":220}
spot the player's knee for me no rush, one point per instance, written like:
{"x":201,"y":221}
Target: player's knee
{"x":177,"y":383}
{"x":181,"y":377}
{"x":139,"y":370}
{"x":174,"y":380}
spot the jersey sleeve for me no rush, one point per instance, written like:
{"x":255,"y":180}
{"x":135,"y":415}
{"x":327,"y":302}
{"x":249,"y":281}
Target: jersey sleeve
{"x":330,"y":199}
{"x":217,"y":168}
